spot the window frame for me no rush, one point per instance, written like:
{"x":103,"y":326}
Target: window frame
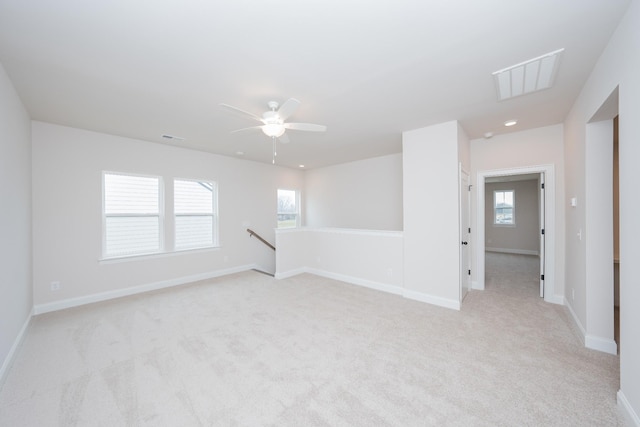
{"x":159,"y":215}
{"x":513,"y":209}
{"x":215,"y":242}
{"x":297,"y":209}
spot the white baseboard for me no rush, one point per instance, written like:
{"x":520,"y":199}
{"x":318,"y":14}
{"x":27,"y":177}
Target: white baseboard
{"x":290,"y":273}
{"x":593,"y":342}
{"x":576,"y":321}
{"x":384,"y":287}
{"x":512,"y":251}
{"x":475,"y":285}
{"x":430,"y":299}
{"x":555,"y":299}
{"x":8,"y":361}
{"x":624,"y":405}
{"x":104,"y":296}
{"x":605,"y":345}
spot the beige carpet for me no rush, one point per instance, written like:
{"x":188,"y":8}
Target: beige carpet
{"x":249,"y":350}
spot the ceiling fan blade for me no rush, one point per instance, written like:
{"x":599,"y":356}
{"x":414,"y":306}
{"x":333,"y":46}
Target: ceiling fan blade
{"x":305,"y":126}
{"x":284,"y":138}
{"x":236,"y":110}
{"x":249,"y":128}
{"x":288,"y":108}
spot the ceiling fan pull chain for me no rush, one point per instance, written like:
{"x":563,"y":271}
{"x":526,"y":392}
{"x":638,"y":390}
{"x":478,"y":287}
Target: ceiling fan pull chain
{"x":273,"y":138}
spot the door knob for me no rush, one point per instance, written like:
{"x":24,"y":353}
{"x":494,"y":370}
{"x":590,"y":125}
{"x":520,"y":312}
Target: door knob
{"x":465,"y":243}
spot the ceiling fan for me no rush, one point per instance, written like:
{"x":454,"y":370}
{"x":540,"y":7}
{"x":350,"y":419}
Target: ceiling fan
{"x":273,"y":120}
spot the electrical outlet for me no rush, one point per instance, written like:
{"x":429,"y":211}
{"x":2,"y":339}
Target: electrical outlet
{"x":389,"y":272}
{"x":55,"y":286}
{"x":226,"y":258}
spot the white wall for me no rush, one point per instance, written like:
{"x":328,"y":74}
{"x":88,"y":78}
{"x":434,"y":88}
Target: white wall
{"x":598,"y":237}
{"x":431,"y":223}
{"x":524,"y":236}
{"x":15,"y":220}
{"x":618,"y":66}
{"x":67,"y":219}
{"x":363,"y":257}
{"x":365,"y":194}
{"x":540,"y":146}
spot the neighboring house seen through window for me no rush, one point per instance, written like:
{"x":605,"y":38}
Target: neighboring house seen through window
{"x":504,"y":207}
{"x":288,"y":209}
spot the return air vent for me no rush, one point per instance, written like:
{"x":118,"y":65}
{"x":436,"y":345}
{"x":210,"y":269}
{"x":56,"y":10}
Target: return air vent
{"x":528,"y":76}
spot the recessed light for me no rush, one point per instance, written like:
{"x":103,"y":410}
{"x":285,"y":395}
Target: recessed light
{"x":301,"y":166}
{"x":510,"y":123}
{"x":488,"y":135}
{"x":240,"y":153}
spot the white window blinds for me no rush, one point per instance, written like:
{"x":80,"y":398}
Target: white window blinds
{"x":195,"y":214}
{"x":132,"y":221}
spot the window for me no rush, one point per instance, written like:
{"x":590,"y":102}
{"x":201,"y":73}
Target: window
{"x":288,"y":211}
{"x":195,"y":214}
{"x":504,"y":207}
{"x":131,"y":215}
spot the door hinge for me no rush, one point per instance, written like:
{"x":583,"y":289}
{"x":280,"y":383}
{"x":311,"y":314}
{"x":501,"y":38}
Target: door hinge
{"x":470,"y":187}
{"x":469,"y":229}
{"x":542,"y":185}
{"x":469,"y":272}
{"x":543,"y":231}
{"x":542,"y":277}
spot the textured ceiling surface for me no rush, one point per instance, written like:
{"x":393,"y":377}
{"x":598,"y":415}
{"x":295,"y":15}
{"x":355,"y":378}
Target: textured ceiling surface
{"x":366,"y":70}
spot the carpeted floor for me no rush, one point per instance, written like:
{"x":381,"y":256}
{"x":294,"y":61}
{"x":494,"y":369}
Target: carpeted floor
{"x":249,"y":350}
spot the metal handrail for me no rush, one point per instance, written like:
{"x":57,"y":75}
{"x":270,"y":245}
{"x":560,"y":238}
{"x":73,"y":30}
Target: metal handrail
{"x":253,"y":233}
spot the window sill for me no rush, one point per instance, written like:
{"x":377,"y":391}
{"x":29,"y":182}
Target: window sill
{"x":142,"y":257}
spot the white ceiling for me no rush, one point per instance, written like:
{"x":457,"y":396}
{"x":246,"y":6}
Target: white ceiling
{"x":367,"y":69}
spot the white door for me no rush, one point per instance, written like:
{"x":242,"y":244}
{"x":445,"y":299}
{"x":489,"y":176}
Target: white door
{"x":465,"y":235}
{"x":542,"y":234}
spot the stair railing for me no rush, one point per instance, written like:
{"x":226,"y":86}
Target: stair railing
{"x":257,"y":236}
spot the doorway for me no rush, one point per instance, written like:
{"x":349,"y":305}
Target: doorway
{"x":514,"y":230}
{"x":616,"y":237}
{"x":465,"y":233}
{"x":548,"y":257}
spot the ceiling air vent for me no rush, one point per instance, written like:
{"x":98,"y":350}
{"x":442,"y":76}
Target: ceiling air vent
{"x":172,"y":137}
{"x":528,"y":76}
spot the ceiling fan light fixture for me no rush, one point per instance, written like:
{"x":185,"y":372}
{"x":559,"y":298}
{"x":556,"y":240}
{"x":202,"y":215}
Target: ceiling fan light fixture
{"x":273,"y":129}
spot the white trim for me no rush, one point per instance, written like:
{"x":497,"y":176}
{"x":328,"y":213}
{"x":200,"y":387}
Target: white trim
{"x":601,"y":344}
{"x":290,"y":273}
{"x":627,"y":409}
{"x":550,"y":226}
{"x":139,"y":257}
{"x":512,"y":251}
{"x":392,"y":289}
{"x":555,"y":299}
{"x":583,"y":332}
{"x":592,"y":342}
{"x":383,"y":287}
{"x":8,"y":361}
{"x":104,"y":296}
{"x":355,"y":231}
{"x":430,"y":299}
